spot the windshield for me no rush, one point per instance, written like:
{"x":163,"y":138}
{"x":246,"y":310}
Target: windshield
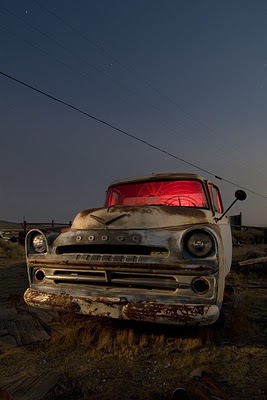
{"x":182,"y":193}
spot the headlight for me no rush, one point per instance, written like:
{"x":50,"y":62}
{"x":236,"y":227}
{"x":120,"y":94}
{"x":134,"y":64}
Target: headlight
{"x":199,"y":244}
{"x":39,"y":243}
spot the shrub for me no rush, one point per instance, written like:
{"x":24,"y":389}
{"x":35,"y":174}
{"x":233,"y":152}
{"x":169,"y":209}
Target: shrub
{"x":11,"y":250}
{"x":251,"y":236}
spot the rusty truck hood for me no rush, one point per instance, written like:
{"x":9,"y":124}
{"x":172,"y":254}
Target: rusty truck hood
{"x":144,"y":217}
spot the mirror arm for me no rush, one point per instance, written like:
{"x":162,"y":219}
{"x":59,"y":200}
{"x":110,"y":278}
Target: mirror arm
{"x":218,"y":219}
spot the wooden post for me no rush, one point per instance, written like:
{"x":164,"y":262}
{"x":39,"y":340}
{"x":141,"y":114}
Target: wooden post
{"x":24,"y":227}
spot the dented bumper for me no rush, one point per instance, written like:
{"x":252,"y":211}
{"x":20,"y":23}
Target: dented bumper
{"x":121,"y":308}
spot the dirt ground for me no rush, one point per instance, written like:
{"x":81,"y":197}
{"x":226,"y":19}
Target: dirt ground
{"x":51,"y":356}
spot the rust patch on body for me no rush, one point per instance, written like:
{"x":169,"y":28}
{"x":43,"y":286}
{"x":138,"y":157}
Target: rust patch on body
{"x":50,"y":301}
{"x":171,"y":313}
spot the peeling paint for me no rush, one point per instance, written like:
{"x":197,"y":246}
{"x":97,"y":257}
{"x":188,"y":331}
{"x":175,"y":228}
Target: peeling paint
{"x":182,"y":314}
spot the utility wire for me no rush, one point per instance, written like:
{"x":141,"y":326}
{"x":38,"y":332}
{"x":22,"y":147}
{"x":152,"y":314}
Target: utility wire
{"x":136,"y":138}
{"x":80,"y":74}
{"x":122,"y":98}
{"x":126,"y":67}
{"x":133,"y":72}
{"x":85,"y":61}
{"x":61,"y":46}
{"x":76,"y":55}
{"x":98,"y":69}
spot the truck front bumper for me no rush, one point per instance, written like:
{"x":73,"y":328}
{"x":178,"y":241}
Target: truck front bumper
{"x":121,"y":308}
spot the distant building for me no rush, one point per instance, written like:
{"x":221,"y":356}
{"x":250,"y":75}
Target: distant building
{"x":236,"y":220}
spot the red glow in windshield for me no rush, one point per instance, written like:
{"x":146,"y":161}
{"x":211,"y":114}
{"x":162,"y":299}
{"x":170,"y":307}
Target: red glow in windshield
{"x":168,"y":193}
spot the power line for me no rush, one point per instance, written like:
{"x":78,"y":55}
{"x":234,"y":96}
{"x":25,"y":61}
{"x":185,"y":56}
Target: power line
{"x":136,"y":138}
{"x":154,"y":107}
{"x":123,"y":65}
{"x":80,"y":74}
{"x":61,"y":46}
{"x":133,"y":72}
{"x":122,"y":98}
{"x":84,"y":77}
{"x":126,"y":67}
{"x":76,"y":55}
{"x":98,"y":69}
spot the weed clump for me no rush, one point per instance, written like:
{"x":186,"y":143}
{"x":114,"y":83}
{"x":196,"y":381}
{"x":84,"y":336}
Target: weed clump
{"x":251,"y":236}
{"x":11,"y":250}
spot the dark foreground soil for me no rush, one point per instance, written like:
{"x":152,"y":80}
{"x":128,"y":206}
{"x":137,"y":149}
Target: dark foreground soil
{"x":50,"y":356}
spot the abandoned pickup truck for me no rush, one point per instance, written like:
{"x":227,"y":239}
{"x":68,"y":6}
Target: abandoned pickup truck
{"x":158,"y":251}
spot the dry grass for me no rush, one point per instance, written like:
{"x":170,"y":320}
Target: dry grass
{"x":111,"y":335}
{"x":117,"y":343}
{"x":249,"y":236}
{"x":11,"y":250}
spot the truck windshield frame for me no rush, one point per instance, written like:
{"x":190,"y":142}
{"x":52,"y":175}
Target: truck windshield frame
{"x":173,"y":193}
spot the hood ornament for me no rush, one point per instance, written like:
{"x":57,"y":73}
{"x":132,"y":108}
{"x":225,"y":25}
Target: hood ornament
{"x":108,"y":222}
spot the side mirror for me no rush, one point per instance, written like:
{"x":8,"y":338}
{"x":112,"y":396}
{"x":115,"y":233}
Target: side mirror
{"x":239,"y":195}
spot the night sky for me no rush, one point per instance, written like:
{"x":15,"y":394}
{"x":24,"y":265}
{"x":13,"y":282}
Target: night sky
{"x":188,"y":76}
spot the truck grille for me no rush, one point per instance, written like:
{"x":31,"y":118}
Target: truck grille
{"x":115,"y":279}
